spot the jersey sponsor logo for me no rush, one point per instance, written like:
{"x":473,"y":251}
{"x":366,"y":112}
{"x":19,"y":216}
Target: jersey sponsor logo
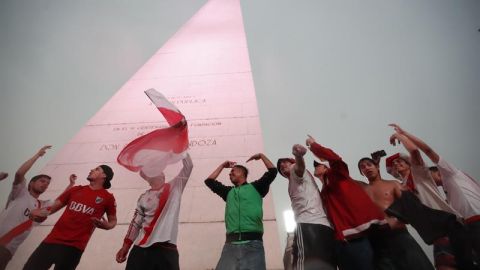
{"x":98,"y":200}
{"x":82,"y":208}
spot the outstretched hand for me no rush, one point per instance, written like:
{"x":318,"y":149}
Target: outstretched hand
{"x":397,"y":128}
{"x":43,"y":150}
{"x":299,"y":150}
{"x":255,"y":157}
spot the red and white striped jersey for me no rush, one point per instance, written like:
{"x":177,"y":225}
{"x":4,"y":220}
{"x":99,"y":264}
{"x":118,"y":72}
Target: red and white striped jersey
{"x":15,"y":224}
{"x":463,"y":192}
{"x":152,"y":225}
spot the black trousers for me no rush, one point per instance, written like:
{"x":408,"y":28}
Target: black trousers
{"x":432,"y":224}
{"x":314,"y":247}
{"x":158,"y":256}
{"x":474,"y":234}
{"x":62,"y":256}
{"x":396,"y":249}
{"x":5,"y":257}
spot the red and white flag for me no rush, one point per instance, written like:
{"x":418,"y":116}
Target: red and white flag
{"x":152,"y":152}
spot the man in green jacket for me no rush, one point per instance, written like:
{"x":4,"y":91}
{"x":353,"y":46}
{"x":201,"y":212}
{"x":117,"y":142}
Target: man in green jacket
{"x":243,"y":247}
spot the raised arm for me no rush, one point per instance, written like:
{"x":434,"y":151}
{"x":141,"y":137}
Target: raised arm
{"x":219,"y":169}
{"x":334,"y":160}
{"x":299,"y":151}
{"x":186,"y":171}
{"x":27,"y":165}
{"x":425,"y":148}
{"x":415,"y":155}
{"x":262,"y":185}
{"x":321,"y":152}
{"x":214,"y":185}
{"x":264,"y":159}
{"x":71,"y":182}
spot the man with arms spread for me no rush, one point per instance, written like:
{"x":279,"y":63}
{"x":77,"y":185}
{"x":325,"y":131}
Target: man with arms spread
{"x":394,"y":246}
{"x":243,"y":248}
{"x":85,"y":206}
{"x":314,"y":240}
{"x":154,"y":227}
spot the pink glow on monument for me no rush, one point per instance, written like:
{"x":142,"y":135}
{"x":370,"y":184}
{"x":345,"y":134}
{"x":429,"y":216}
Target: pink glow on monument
{"x":204,"y":70}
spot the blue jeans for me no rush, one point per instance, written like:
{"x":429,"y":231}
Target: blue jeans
{"x":247,"y":256}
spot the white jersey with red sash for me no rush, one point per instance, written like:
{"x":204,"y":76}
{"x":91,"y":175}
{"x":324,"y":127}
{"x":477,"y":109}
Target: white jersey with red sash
{"x":427,"y":190}
{"x":156,"y":216}
{"x":463,"y":192}
{"x":15,"y":224}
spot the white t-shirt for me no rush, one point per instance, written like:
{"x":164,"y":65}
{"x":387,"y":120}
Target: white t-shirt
{"x":306,"y":202}
{"x":19,"y":204}
{"x":463,"y":192}
{"x":428,"y":192}
{"x":166,"y":225}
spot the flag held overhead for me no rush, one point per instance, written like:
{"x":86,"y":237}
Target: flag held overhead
{"x":152,"y":152}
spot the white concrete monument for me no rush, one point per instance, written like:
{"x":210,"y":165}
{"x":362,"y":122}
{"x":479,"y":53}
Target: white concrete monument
{"x":204,"y":70}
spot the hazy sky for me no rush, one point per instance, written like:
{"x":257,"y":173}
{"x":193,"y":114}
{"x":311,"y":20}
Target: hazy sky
{"x":338,"y":70}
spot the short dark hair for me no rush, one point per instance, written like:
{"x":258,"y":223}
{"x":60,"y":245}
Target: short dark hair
{"x":433,"y":169}
{"x":243,"y":169}
{"x":280,"y":160}
{"x":36,"y":177}
{"x":366,"y":159}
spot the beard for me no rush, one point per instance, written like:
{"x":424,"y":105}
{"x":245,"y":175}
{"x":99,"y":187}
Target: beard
{"x":38,"y":190}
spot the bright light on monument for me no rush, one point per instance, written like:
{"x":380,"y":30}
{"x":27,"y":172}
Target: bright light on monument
{"x":290,"y":223}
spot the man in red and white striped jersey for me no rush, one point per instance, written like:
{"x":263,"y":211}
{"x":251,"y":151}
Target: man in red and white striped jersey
{"x":154,"y":226}
{"x":15,"y":224}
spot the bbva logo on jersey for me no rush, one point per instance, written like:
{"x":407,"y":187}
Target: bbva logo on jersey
{"x":80,"y":207}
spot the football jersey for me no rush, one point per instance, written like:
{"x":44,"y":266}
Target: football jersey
{"x":152,"y":225}
{"x":15,"y":224}
{"x":75,"y":226}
